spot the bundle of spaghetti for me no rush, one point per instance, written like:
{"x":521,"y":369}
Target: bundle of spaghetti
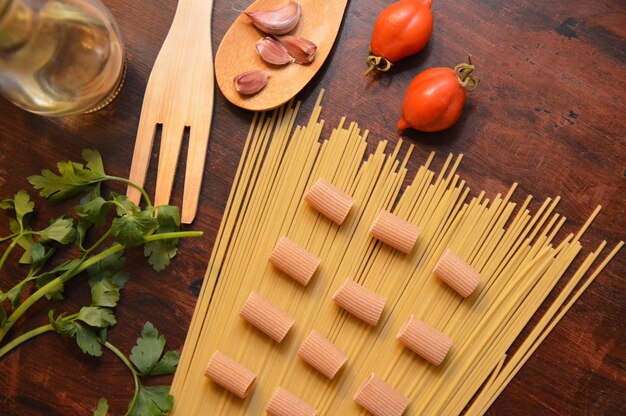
{"x":514,"y":251}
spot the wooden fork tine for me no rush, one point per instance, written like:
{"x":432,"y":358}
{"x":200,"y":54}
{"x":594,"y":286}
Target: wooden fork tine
{"x":141,"y":155}
{"x":196,"y":156}
{"x":171,"y":140}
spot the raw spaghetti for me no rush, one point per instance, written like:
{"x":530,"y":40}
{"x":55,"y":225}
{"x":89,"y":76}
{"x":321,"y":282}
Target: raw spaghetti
{"x":519,"y":255}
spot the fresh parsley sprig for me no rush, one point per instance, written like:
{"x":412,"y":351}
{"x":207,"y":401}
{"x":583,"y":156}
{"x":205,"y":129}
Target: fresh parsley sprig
{"x":157,"y":229}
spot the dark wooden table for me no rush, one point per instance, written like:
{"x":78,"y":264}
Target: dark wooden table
{"x":549,"y":113}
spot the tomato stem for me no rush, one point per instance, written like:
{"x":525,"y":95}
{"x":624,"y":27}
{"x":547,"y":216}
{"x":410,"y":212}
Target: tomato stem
{"x":378,"y":63}
{"x":463,"y":73}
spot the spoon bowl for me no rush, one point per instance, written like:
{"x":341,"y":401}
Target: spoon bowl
{"x":320,"y":22}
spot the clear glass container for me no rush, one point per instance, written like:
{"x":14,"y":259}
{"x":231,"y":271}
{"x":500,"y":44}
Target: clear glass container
{"x":59,"y":57}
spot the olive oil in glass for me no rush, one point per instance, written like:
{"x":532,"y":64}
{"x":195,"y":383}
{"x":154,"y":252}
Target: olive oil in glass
{"x":59,"y":57}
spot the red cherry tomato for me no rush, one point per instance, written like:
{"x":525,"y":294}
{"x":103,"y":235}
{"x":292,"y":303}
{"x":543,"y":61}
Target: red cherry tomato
{"x":435,"y":98}
{"x":402,"y":29}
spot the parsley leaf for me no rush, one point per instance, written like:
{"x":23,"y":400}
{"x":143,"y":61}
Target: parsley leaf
{"x":96,"y":316}
{"x":60,"y":230}
{"x":15,"y":294}
{"x":86,"y":337}
{"x":105,"y":290}
{"x":109,"y":265}
{"x":23,"y":207}
{"x":26,"y":242}
{"x":160,"y":252}
{"x":166,"y":365}
{"x":61,"y":325}
{"x":123,"y":205}
{"x":94,"y":161}
{"x":72,"y":178}
{"x":49,"y":276}
{"x":7,"y":204}
{"x":152,"y":401}
{"x":102,"y":409}
{"x":131,"y":230}
{"x":107,"y":279}
{"x":93,"y":211}
{"x":86,"y":217}
{"x":39,"y":255}
{"x":169,"y":218}
{"x":14,"y":226}
{"x":87,"y":340}
{"x":148,"y":356}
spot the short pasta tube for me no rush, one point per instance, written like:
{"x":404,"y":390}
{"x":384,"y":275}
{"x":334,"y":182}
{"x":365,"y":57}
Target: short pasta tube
{"x":380,"y":399}
{"x":285,"y":403}
{"x":395,"y":232}
{"x":457,"y":274}
{"x":330,"y":201}
{"x":360,"y":302}
{"x":231,"y":375}
{"x":294,"y":261}
{"x":322,"y":355}
{"x":266,"y":317}
{"x":425,"y":340}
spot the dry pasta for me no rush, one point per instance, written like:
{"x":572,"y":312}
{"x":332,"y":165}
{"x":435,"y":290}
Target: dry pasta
{"x":518,"y":248}
{"x":425,"y":340}
{"x":380,"y":399}
{"x":457,"y":274}
{"x":392,"y":230}
{"x":330,"y":201}
{"x":322,"y":354}
{"x":231,"y":375}
{"x":294,"y":261}
{"x":267,"y":317}
{"x":285,"y":403}
{"x":360,"y":302}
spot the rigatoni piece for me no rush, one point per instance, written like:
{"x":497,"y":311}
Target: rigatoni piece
{"x":285,"y":403}
{"x":360,"y":302}
{"x":330,"y":201}
{"x":294,"y":261}
{"x":425,"y":340}
{"x":231,"y":375}
{"x":380,"y":399}
{"x":457,"y":274}
{"x":322,"y":355}
{"x":394,"y":231}
{"x":266,"y":317}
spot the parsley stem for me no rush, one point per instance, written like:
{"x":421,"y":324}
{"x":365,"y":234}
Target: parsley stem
{"x":57,"y":284}
{"x":25,"y":337}
{"x":97,"y":243}
{"x":9,"y":250}
{"x":133,"y":184}
{"x":8,"y":237}
{"x":122,"y":357}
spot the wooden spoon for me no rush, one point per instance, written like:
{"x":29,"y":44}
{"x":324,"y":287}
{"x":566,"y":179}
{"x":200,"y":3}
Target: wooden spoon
{"x":319,"y":23}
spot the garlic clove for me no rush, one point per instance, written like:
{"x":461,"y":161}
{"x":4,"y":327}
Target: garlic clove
{"x":251,"y":82}
{"x":278,"y":21}
{"x":302,"y":50}
{"x":272,"y":51}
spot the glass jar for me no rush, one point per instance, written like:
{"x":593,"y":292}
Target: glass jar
{"x":59,"y":57}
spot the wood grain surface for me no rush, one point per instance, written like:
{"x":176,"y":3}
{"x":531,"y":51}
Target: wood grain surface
{"x":549,"y":114}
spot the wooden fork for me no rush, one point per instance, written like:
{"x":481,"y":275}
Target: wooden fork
{"x":179,"y":94}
